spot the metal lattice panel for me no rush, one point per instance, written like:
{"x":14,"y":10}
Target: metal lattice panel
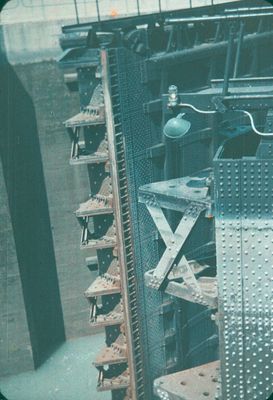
{"x":140,"y":171}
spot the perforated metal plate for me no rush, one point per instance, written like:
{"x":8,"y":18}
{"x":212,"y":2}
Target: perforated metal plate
{"x":198,"y":383}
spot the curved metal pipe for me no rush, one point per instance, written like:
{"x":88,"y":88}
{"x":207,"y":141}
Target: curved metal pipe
{"x":248,"y":114}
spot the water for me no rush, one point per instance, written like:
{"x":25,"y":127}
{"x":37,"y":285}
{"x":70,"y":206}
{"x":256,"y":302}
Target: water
{"x":67,"y":375}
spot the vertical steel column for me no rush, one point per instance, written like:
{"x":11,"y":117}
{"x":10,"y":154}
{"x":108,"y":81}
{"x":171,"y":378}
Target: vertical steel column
{"x":159,"y":6}
{"x":138,"y":8}
{"x":228,"y":65}
{"x":76,"y":11}
{"x":110,"y":124}
{"x":244,"y":235}
{"x":98,"y":10}
{"x":239,"y":49}
{"x":229,"y":251}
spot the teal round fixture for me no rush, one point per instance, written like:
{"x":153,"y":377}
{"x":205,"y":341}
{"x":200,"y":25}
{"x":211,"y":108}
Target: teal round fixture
{"x":176,"y":127}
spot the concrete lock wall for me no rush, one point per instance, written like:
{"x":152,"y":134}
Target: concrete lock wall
{"x":42,"y":270}
{"x":50,"y":10}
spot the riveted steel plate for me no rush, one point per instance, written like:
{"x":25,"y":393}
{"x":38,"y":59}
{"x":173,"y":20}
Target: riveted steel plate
{"x":257,"y":270}
{"x":244,"y":241}
{"x":177,"y":194}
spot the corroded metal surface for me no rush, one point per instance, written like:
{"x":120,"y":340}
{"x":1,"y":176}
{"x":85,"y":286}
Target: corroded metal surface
{"x":89,"y":144}
{"x":81,"y":155}
{"x":94,"y":158}
{"x":115,"y":317}
{"x":93,"y":114}
{"x":89,"y":116}
{"x":95,"y":205}
{"x":198,"y":383}
{"x":114,"y":354}
{"x":99,"y":203}
{"x":115,"y":382}
{"x":88,"y":241}
{"x":107,"y":283}
{"x":123,"y":228}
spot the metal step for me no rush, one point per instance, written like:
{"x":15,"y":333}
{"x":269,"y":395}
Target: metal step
{"x":80,"y":155}
{"x":105,"y":242}
{"x":89,"y":241}
{"x":96,"y":205}
{"x":114,"y":383}
{"x":108,"y":283}
{"x":114,"y":354}
{"x":90,"y":116}
{"x":94,"y":158}
{"x":93,"y":114}
{"x":114,"y":317}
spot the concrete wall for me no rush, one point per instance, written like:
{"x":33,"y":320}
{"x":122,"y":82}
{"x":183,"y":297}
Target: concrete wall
{"x":66,"y":186}
{"x":46,"y":10}
{"x":15,"y":348}
{"x":42,"y":293}
{"x":27,"y":204}
{"x":32,"y":27}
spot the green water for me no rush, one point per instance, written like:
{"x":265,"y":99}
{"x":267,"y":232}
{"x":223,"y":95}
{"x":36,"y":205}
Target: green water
{"x":67,"y":375}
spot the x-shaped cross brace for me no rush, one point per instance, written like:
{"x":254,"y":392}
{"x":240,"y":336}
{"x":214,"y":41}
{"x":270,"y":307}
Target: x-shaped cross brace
{"x":173,"y":240}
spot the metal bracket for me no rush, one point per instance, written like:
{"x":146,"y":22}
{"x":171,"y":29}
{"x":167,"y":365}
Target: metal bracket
{"x":188,"y":276}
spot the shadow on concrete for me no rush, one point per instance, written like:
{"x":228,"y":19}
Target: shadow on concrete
{"x":28,"y":205}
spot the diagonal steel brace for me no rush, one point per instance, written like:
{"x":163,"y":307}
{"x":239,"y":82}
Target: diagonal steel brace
{"x":173,"y":240}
